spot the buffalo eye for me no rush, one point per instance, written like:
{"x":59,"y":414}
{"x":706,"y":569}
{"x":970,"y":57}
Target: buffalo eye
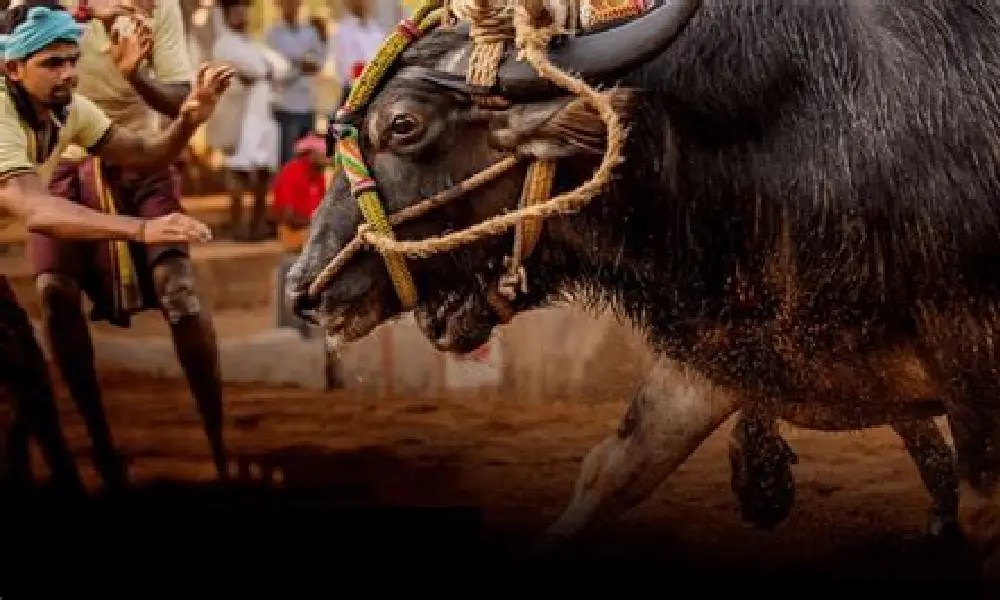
{"x":404,"y":127}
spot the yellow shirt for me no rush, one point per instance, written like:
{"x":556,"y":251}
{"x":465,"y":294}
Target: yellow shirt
{"x":101,"y":82}
{"x":23,"y":147}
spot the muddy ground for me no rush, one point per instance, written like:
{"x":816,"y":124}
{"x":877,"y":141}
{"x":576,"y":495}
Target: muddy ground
{"x":860,"y":507}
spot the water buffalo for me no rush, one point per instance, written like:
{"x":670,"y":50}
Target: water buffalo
{"x":807,"y":222}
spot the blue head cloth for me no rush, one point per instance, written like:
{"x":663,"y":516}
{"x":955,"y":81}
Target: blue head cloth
{"x":42,"y":26}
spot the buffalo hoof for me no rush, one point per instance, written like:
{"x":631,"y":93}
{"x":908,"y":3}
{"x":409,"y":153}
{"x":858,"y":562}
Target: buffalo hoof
{"x":763,"y":482}
{"x":767,"y":510}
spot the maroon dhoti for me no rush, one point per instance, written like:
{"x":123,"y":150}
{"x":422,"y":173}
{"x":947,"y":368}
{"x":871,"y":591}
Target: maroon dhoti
{"x":93,"y":264}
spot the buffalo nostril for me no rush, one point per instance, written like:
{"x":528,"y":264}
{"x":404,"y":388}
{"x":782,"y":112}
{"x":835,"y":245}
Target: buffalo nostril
{"x":303,"y":306}
{"x":438,"y":328}
{"x":432,"y":327}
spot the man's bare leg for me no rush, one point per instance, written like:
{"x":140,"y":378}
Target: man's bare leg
{"x":237,"y":182}
{"x":261,"y":182}
{"x":196,"y":346}
{"x":25,"y":373}
{"x":68,"y":336}
{"x":15,"y":459}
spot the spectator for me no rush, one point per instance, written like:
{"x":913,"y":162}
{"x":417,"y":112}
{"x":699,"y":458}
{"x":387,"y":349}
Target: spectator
{"x":251,"y":144}
{"x":298,"y":189}
{"x":295,"y":104}
{"x":355,"y":42}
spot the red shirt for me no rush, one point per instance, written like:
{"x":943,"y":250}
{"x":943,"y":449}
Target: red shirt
{"x":298,"y":186}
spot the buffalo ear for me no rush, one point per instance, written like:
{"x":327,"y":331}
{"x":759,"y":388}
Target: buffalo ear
{"x":559,"y":128}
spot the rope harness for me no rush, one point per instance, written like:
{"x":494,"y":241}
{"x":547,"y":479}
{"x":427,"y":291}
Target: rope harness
{"x":492,"y":27}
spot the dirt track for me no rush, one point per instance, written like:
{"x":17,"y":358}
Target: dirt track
{"x":859,"y":511}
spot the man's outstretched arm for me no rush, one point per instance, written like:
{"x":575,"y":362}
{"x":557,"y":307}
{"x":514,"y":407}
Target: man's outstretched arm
{"x":23,"y":195}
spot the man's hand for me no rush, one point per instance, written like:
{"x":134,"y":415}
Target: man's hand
{"x":173,"y":228}
{"x":107,"y":15}
{"x":126,"y":52}
{"x":126,"y":148}
{"x":211,"y":82}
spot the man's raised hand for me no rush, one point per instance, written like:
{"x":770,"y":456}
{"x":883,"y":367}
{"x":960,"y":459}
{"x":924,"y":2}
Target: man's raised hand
{"x":211,"y":82}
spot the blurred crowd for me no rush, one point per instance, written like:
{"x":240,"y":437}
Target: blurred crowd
{"x":265,"y":126}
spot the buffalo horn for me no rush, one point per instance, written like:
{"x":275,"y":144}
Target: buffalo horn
{"x":602,"y":55}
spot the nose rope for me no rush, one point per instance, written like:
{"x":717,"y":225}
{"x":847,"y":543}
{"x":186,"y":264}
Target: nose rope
{"x":531,"y":40}
{"x":348,"y":149}
{"x":364,"y":235}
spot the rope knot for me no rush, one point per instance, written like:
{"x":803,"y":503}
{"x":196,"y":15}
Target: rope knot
{"x":489,"y":23}
{"x":491,"y":27}
{"x":535,"y":25}
{"x":492,"y":30}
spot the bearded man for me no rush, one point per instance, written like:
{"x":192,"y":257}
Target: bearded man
{"x":41,"y":116}
{"x":132,"y":67}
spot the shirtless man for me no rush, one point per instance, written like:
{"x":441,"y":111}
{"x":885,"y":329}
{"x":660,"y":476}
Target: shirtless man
{"x":145,"y":71}
{"x":40,"y":116}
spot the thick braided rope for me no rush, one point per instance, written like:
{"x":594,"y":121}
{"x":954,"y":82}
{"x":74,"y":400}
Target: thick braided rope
{"x":415,"y":211}
{"x":363,"y":188}
{"x":349,"y":155}
{"x":533,"y":45}
{"x":491,"y":27}
{"x":424,"y":17}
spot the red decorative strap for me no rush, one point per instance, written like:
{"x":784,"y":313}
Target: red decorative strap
{"x":356,"y":69}
{"x":408,"y":29}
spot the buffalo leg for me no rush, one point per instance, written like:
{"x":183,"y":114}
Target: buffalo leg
{"x":977,"y":443}
{"x":761,"y":474}
{"x":672,"y":414}
{"x":936,"y":463}
{"x":960,"y":344}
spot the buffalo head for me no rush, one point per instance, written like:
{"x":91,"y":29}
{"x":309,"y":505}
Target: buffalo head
{"x":424,"y":131}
